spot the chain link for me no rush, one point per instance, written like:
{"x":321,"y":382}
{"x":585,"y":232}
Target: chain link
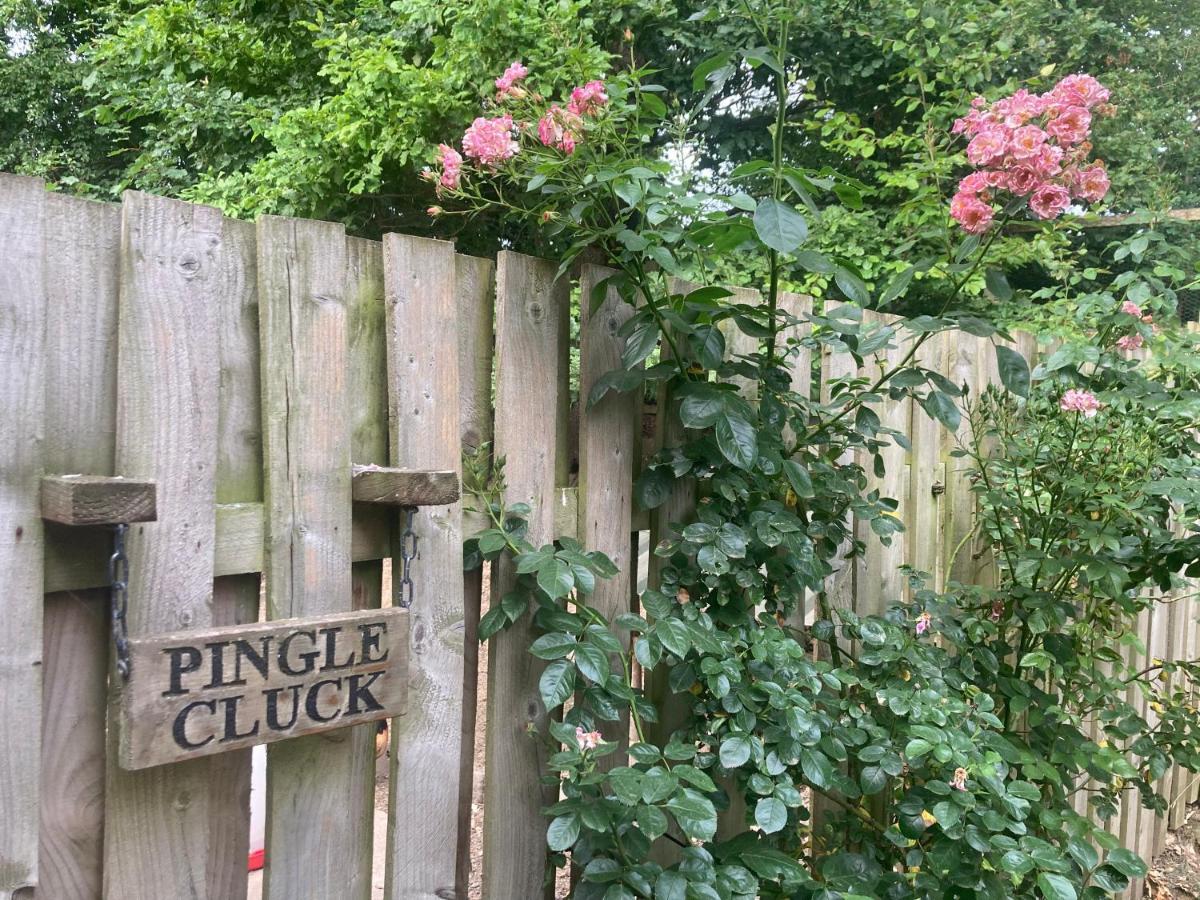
{"x":408,"y":552}
{"x":118,"y":578}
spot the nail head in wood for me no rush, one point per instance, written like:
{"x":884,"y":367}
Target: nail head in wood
{"x":97,"y":499}
{"x":404,"y":487}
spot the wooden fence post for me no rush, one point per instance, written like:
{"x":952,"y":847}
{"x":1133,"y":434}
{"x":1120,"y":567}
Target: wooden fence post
{"x":22,"y":373}
{"x":607,"y":441}
{"x":423,"y":412}
{"x":475,"y":281}
{"x":531,"y":338}
{"x":319,"y":779}
{"x":82,"y":252}
{"x":157,"y":841}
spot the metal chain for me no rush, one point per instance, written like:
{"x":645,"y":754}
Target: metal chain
{"x":118,"y":578}
{"x":408,"y":552}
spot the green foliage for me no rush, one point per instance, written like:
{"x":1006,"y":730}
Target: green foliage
{"x":946,"y":737}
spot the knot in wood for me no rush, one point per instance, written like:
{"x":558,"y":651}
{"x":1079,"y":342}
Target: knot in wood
{"x":188,"y":264}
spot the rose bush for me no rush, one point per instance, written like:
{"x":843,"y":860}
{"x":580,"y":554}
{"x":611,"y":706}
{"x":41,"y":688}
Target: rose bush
{"x":931,"y":751}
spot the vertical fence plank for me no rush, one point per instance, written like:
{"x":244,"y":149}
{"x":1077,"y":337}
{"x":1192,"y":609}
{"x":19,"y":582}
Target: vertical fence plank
{"x":156,"y":820}
{"x":316,"y":781}
{"x":81,"y":264}
{"x":922,"y":508}
{"x":423,"y":412}
{"x":531,"y":318}
{"x":607,"y":442}
{"x":22,"y":371}
{"x":963,"y":352}
{"x":238,"y":480}
{"x":881,"y":581}
{"x":475,"y":284}
{"x":837,"y":366}
{"x":367,"y":375}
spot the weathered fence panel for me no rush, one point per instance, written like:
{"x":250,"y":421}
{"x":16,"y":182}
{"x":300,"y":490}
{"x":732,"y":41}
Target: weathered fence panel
{"x":423,"y":384}
{"x":22,"y":374}
{"x":530,"y":427}
{"x":256,"y":364}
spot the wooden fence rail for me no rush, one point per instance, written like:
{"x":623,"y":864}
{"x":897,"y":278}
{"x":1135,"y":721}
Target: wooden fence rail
{"x":247,"y":370}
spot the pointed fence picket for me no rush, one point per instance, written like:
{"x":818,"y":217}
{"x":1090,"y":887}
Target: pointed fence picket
{"x":247,"y":368}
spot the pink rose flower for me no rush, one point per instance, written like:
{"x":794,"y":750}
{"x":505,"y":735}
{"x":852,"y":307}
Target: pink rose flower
{"x":1130,"y":342}
{"x":1049,"y":161}
{"x":924,"y":620}
{"x":587,"y":99}
{"x":559,"y":128}
{"x":973,"y":214}
{"x":1076,"y":400}
{"x":974,"y":183}
{"x":490,"y":141}
{"x":1080,"y":90}
{"x":1022,"y":180}
{"x":587,"y":740}
{"x":506,"y":84}
{"x":1071,"y":126}
{"x":451,"y":163}
{"x":1026,"y":142}
{"x":987,"y":147}
{"x":959,"y":781}
{"x":1032,"y":147}
{"x":1092,"y":183}
{"x":1131,"y":309}
{"x":1049,"y":201}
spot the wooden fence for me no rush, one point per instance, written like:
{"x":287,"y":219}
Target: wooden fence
{"x":246,"y":368}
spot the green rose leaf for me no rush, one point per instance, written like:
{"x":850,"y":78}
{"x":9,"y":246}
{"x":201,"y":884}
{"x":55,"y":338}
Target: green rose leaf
{"x":779,"y":226}
{"x":563,"y":832}
{"x":557,"y":683}
{"x":1126,"y":862}
{"x":1056,"y":887}
{"x":736,"y":750}
{"x":770,"y":814}
{"x":737,"y":440}
{"x":1014,"y":370}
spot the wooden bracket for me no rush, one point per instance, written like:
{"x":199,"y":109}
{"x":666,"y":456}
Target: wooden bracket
{"x":98,"y":499}
{"x":404,"y":487}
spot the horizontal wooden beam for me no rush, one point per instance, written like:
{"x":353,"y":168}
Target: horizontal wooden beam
{"x":404,"y":487}
{"x":76,"y":559}
{"x":97,"y":499}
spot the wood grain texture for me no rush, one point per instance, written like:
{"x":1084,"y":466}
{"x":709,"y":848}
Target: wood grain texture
{"x":78,"y":559}
{"x":23,"y":303}
{"x":405,"y":487}
{"x":475,"y":285}
{"x":82,"y":273}
{"x":239,"y":479}
{"x":156,"y":822}
{"x":837,"y":366}
{"x":531,"y":329}
{"x":963,"y":360}
{"x":880,"y":581}
{"x":97,"y":499}
{"x":306,"y":461}
{"x":922,"y":514}
{"x":216,"y":690}
{"x":425,"y":433}
{"x":608,"y":434}
{"x":368,"y":444}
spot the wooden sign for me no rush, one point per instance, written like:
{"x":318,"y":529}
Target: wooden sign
{"x":195,"y":693}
